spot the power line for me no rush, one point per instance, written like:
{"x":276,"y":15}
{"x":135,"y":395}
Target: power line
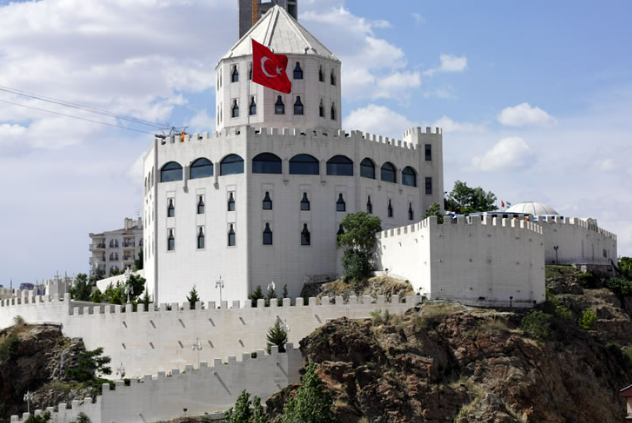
{"x":82,"y":107}
{"x":76,"y":117}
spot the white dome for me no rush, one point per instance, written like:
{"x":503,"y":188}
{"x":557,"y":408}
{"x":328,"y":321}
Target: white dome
{"x":531,"y":207}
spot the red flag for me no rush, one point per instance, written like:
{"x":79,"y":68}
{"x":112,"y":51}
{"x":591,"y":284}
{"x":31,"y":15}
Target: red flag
{"x":503,"y":204}
{"x":268,"y":69}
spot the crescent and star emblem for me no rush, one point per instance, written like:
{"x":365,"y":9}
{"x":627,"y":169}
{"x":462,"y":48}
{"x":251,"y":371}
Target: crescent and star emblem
{"x":263,"y":68}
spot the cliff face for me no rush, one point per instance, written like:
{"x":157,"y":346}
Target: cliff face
{"x":444,"y":362}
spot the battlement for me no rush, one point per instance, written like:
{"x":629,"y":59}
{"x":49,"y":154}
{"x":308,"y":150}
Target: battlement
{"x":418,"y":131}
{"x":582,"y":223}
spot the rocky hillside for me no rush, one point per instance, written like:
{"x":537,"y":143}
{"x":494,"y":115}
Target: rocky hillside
{"x":378,"y":285}
{"x":444,"y":362}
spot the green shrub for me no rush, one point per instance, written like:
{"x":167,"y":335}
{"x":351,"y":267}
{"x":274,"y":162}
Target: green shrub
{"x":537,"y":325}
{"x":246,"y":411}
{"x":564,"y":313}
{"x":620,"y":286}
{"x":39,"y":419}
{"x":9,"y":348}
{"x":18,"y":320}
{"x":82,"y":417}
{"x":588,"y":320}
{"x":588,"y":280}
{"x":376,"y":316}
{"x":257,"y":294}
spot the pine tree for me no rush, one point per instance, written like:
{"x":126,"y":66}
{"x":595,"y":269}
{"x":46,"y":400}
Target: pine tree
{"x":81,"y":289}
{"x":146,"y":301}
{"x":241,"y":413}
{"x":271,"y":294}
{"x":258,"y":413}
{"x":285,"y":295}
{"x":97,"y":296}
{"x":310,"y":404}
{"x":257,"y":294}
{"x":193,"y":298}
{"x":277,"y":336}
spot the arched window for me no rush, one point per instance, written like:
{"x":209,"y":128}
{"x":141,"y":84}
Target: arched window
{"x":171,"y":241}
{"x":305,"y":202}
{"x":340,"y":166}
{"x":340,"y":204}
{"x":390,"y":209}
{"x":267,"y":163}
{"x":333,"y":77}
{"x":111,"y":256}
{"x":409,"y":176}
{"x":369,"y":206}
{"x":321,"y":109}
{"x":298,"y":72}
{"x":367,"y":169}
{"x":231,"y":202}
{"x":321,"y":74}
{"x":304,"y":164}
{"x":200,"y":205}
{"x":267,"y":235}
{"x":411,"y":214}
{"x":305,"y":236}
{"x":341,"y":230}
{"x":170,"y":172}
{"x":279,"y":107}
{"x":253,"y":106}
{"x":231,"y":236}
{"x":235,"y":109}
{"x":267,"y":202}
{"x":201,"y":168}
{"x":298,"y":106}
{"x":200,"y":238}
{"x":231,"y":165}
{"x":234,"y":76}
{"x":333,"y":111}
{"x":389,"y":173}
{"x":171,"y":210}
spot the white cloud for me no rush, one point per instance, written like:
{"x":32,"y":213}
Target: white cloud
{"x":507,"y":154}
{"x":605,"y":165}
{"x":377,"y":120}
{"x":524,"y":114}
{"x":441,"y":93}
{"x":201,"y":122}
{"x":450,"y":125}
{"x":419,"y":20}
{"x":449,"y":63}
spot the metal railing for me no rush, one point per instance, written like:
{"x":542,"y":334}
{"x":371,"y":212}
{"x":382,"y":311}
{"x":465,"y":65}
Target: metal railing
{"x":93,"y":247}
{"x":565,"y":262}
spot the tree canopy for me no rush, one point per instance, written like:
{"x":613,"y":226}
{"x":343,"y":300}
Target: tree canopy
{"x":310,"y":404}
{"x":81,"y":289}
{"x":464,"y":199}
{"x":359,"y":240}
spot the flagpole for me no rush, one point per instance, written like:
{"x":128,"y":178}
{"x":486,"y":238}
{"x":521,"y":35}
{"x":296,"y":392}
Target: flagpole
{"x":250,"y":71}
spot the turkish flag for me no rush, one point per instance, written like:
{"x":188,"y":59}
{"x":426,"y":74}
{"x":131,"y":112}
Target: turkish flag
{"x":268,"y":69}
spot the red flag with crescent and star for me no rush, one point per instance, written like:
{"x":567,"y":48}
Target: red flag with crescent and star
{"x":268,"y":69}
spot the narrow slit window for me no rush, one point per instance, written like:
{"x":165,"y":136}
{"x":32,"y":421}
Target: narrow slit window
{"x":390,"y":209}
{"x":267,"y":235}
{"x":321,"y":74}
{"x":340,"y":204}
{"x":235,"y":74}
{"x":428,"y":152}
{"x":429,"y":186}
{"x":171,"y":241}
{"x":200,"y":205}
{"x":333,"y":111}
{"x":333,"y":78}
{"x":411,"y":214}
{"x":250,"y":71}
{"x":305,"y":236}
{"x":298,"y":72}
{"x":305,"y":202}
{"x":279,"y":107}
{"x":231,"y":236}
{"x":267,"y":202}
{"x":321,"y":109}
{"x":235,"y":109}
{"x":341,"y":230}
{"x":369,"y":206}
{"x":253,"y":106}
{"x":171,"y":210}
{"x":231,"y":202}
{"x":298,"y":106}
{"x":200,"y":239}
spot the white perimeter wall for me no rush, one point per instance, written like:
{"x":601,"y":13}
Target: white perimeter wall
{"x":473,"y":261}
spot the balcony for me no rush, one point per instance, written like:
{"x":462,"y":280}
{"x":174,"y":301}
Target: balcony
{"x":128,"y":245}
{"x":96,"y":247}
{"x":93,"y":260}
{"x":128,"y":258}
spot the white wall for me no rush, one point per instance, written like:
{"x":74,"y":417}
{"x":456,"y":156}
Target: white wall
{"x":473,"y":261}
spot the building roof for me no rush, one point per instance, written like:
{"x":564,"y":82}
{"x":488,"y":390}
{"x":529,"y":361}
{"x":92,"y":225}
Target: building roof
{"x":278,"y":31}
{"x":534,"y":208}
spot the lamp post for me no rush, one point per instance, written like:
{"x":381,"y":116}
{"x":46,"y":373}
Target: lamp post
{"x":220,"y":284}
{"x":197,"y":346}
{"x":28,"y":397}
{"x":121,"y":370}
{"x":556,"y":247}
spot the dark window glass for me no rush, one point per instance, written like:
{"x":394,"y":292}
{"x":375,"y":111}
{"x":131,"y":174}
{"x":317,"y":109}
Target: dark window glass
{"x":267,"y":235}
{"x":231,"y":236}
{"x":304,"y":164}
{"x":428,"y":152}
{"x":305,"y":236}
{"x":298,"y":72}
{"x":428,"y":185}
{"x":235,"y":75}
{"x":201,"y":168}
{"x":235,"y":109}
{"x":321,"y":75}
{"x":369,"y":206}
{"x":340,"y":204}
{"x":171,"y":210}
{"x":341,"y":230}
{"x":367,"y":169}
{"x":253,"y":106}
{"x":333,"y":112}
{"x":279,"y":107}
{"x":411,"y":214}
{"x":200,"y":238}
{"x":250,"y":72}
{"x":333,"y":78}
{"x":388,"y":173}
{"x":231,"y":202}
{"x":321,"y":109}
{"x":170,"y":172}
{"x":340,"y":166}
{"x":304,"y":202}
{"x":231,"y":165}
{"x":171,"y":241}
{"x":409,"y":177}
{"x":200,"y":205}
{"x":390,"y":209}
{"x":267,"y":202}
{"x":266,"y":163}
{"x":298,"y":106}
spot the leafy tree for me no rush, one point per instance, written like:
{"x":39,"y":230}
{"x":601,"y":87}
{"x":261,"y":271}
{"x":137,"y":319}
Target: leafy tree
{"x":625,"y":265}
{"x":9,"y":348}
{"x":81,"y":289}
{"x":114,"y":294}
{"x":310,"y":404}
{"x":257,"y":294}
{"x":277,"y":336}
{"x":588,"y":320}
{"x":115,"y":272}
{"x":464,"y":199}
{"x":243,"y":413}
{"x":620,"y":286}
{"x":97,"y":296}
{"x":537,"y":324}
{"x":434,"y":210}
{"x":136,"y":285}
{"x":258,"y":413}
{"x":193,"y":298}
{"x":89,"y":365}
{"x":139,"y":261}
{"x":97,"y":275}
{"x":359,"y":240}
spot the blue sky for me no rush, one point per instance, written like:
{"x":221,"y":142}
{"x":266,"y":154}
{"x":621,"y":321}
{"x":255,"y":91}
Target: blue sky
{"x":535,"y":100}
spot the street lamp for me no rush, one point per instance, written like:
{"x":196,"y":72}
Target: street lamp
{"x":121,"y":370}
{"x":28,"y":397}
{"x":220,"y":284}
{"x":556,"y":247}
{"x":197,"y":346}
